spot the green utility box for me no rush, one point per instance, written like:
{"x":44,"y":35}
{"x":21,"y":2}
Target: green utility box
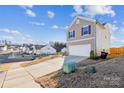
{"x":90,"y":69}
{"x":69,"y":67}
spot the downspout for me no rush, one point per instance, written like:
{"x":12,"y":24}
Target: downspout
{"x":95,"y":40}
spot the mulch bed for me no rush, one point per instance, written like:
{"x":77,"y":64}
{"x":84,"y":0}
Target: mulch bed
{"x":110,"y":73}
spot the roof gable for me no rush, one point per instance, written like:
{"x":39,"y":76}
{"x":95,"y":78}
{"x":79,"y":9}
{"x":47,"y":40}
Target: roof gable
{"x":80,"y":18}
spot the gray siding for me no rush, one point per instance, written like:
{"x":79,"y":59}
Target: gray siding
{"x":78,"y":36}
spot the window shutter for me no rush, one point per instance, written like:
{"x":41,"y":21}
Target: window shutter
{"x":82,"y":31}
{"x":73,"y":33}
{"x":69,"y":34}
{"x":89,"y":29}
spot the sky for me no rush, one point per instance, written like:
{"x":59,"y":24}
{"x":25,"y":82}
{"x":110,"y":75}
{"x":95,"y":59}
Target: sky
{"x":43,"y":24}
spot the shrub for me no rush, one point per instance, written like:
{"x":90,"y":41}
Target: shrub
{"x":92,"y":54}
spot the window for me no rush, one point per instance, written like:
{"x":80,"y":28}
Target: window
{"x":72,"y":34}
{"x":86,"y":30}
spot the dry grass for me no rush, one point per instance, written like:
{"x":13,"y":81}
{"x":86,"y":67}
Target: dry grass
{"x":5,"y":67}
{"x":39,"y":60}
{"x":48,"y":81}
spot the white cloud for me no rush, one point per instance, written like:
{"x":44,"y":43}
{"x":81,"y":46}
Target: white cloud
{"x":113,"y":38}
{"x":93,"y":10}
{"x":112,"y":27}
{"x":16,"y":36}
{"x":28,"y":10}
{"x":27,"y":40}
{"x":30,"y":13}
{"x":51,"y":14}
{"x":37,"y":23}
{"x":27,"y":36}
{"x":6,"y":37}
{"x":116,"y":39}
{"x":32,"y":41}
{"x":78,"y":10}
{"x":26,"y":6}
{"x":12,"y":32}
{"x":100,"y":10}
{"x":66,"y":27}
{"x":55,"y":27}
{"x":121,"y":30}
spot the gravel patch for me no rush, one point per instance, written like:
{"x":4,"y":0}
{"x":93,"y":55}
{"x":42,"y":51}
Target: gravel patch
{"x":110,"y":74}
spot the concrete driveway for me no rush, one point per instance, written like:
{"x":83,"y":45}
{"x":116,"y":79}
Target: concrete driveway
{"x":75,"y":59}
{"x":45,"y":68}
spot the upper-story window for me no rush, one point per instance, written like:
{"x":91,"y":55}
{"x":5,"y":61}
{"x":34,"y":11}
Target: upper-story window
{"x":86,"y":30}
{"x":72,"y":34}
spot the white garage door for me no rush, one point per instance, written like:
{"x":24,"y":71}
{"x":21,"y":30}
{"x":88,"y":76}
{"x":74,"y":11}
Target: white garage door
{"x":80,"y":50}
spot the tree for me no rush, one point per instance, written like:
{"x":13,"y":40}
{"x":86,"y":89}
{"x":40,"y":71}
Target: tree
{"x":59,"y":46}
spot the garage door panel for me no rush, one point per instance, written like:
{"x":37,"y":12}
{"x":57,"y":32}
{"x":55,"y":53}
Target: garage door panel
{"x":80,"y":50}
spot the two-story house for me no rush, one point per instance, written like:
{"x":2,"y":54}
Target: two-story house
{"x":85,"y":34}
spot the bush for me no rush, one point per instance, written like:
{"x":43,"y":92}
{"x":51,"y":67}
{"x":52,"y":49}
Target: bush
{"x":92,"y":54}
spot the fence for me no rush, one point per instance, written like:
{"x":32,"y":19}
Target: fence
{"x":117,"y":50}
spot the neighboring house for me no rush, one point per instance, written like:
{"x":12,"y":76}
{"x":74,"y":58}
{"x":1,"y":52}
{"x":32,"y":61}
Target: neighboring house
{"x":26,"y":49}
{"x":12,"y":47}
{"x":3,"y":47}
{"x":48,"y":50}
{"x":84,"y":35}
{"x":37,"y":49}
{"x":23,"y":49}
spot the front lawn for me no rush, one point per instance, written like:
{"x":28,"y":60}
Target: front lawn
{"x":5,"y":67}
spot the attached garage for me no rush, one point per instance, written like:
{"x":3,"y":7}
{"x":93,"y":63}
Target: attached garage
{"x":80,"y":50}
